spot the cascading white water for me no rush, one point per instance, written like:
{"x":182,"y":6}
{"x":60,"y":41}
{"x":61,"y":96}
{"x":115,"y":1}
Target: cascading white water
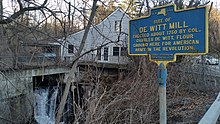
{"x":45,"y":106}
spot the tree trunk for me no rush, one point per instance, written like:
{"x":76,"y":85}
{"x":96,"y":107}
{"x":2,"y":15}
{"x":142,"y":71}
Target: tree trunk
{"x":71,"y":77}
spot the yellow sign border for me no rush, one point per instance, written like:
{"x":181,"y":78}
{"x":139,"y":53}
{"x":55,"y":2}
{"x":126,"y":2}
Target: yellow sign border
{"x":165,"y":62}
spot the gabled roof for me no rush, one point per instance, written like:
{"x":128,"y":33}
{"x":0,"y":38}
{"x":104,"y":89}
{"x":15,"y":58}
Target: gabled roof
{"x":117,"y":9}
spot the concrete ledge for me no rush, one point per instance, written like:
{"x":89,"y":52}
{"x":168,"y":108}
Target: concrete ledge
{"x":212,"y":115}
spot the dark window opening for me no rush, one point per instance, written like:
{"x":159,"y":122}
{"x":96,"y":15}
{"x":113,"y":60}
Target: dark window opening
{"x":48,"y":49}
{"x":70,"y":48}
{"x":106,"y":54}
{"x":115,"y":51}
{"x":99,"y":53}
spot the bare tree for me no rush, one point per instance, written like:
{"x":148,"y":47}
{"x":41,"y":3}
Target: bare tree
{"x":22,"y":10}
{"x":129,"y":100}
{"x":71,"y":77}
{"x":132,"y":99}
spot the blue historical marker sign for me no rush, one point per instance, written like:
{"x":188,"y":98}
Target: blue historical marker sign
{"x":167,"y":32}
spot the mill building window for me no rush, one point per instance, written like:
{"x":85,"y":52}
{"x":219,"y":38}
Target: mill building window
{"x":99,"y":53}
{"x":70,"y":48}
{"x":117,"y":26}
{"x":105,"y":53}
{"x":115,"y":51}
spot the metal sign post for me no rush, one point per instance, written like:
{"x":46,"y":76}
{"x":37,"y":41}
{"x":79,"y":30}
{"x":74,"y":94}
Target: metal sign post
{"x":162,"y":77}
{"x":166,"y":33}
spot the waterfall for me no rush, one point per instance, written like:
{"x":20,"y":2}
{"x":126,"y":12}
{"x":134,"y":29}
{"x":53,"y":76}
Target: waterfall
{"x":45,"y":105}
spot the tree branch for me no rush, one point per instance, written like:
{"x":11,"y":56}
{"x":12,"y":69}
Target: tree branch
{"x":21,"y":11}
{"x":20,"y":4}
{"x":71,"y":75}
